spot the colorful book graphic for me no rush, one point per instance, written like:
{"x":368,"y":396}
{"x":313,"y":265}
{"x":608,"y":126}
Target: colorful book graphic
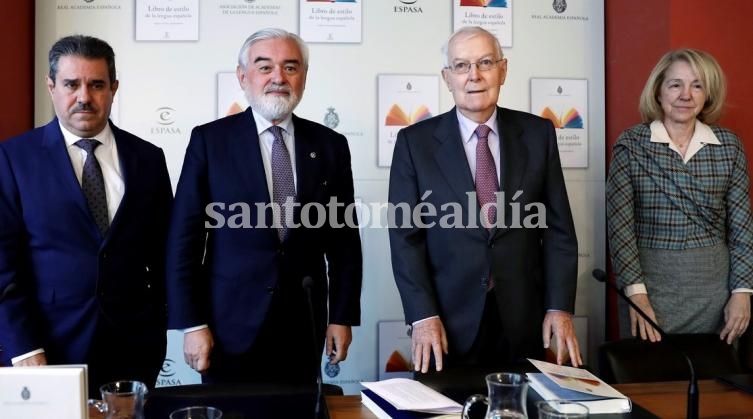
{"x":484,"y":3}
{"x":571,"y":118}
{"x":397,"y":117}
{"x":397,"y":363}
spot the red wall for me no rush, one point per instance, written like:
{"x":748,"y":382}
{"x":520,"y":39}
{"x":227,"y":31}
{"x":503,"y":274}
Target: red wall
{"x":637,"y":36}
{"x":17,"y":72}
{"x":724,"y":29}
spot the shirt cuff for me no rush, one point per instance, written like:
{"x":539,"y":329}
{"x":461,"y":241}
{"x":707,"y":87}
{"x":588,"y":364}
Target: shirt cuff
{"x":423,"y":320}
{"x":632,"y":289}
{"x":747,"y":290}
{"x":555,"y":310}
{"x":20,"y":358}
{"x":195,"y":328}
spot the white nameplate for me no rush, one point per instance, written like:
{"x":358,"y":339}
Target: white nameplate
{"x":58,"y":391}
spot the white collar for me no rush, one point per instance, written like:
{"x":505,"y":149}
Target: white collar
{"x":702,"y":135}
{"x":468,"y":127}
{"x":262,"y":124}
{"x":105,"y":136}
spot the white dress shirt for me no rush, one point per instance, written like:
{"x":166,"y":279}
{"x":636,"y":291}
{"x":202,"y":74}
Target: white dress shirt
{"x":107,"y":155}
{"x":469,"y":138}
{"x":265,"y":142}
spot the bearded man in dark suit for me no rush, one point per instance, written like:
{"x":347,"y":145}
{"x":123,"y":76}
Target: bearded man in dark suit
{"x":235,"y":287}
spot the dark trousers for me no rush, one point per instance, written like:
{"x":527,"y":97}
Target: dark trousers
{"x":283,"y":351}
{"x":490,"y":348}
{"x":116,"y":354}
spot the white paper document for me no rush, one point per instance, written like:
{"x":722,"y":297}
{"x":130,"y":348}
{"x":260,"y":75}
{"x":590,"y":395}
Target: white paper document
{"x":576,"y":379}
{"x":407,"y":394}
{"x":557,"y":382}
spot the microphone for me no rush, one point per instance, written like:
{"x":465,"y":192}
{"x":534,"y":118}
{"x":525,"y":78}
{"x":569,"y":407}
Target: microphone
{"x":7,"y":291}
{"x":692,"y":408}
{"x":308,"y":284}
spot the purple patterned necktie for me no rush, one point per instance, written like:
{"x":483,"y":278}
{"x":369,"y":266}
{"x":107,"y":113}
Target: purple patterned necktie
{"x":282,"y":179}
{"x":487,"y":181}
{"x":93,"y":185}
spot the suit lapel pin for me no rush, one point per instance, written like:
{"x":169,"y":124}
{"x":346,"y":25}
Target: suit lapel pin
{"x":312,"y":155}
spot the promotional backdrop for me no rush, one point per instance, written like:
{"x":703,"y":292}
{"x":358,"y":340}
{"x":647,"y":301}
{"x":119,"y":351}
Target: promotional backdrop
{"x":172,"y":55}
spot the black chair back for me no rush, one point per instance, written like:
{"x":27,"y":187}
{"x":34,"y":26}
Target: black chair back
{"x":636,"y":361}
{"x":240,"y":401}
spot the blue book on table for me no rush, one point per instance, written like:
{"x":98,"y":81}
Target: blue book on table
{"x":384,"y":410}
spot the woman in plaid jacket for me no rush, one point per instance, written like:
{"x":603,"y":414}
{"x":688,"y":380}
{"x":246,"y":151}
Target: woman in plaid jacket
{"x":678,"y":206}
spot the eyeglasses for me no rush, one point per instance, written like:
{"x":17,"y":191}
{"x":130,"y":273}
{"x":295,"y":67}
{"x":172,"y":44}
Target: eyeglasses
{"x":462,"y":67}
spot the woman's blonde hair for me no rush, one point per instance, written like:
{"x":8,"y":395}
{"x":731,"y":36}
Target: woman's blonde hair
{"x":709,"y":72}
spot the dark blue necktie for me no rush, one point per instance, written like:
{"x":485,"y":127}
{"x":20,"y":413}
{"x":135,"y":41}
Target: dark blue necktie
{"x":93,"y":185}
{"x":282,"y":179}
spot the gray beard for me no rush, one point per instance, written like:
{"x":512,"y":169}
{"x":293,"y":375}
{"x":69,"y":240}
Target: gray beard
{"x":273,"y":108}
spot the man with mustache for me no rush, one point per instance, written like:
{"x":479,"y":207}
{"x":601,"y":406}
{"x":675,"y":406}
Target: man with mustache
{"x":235,"y":265}
{"x":495,"y":291}
{"x":84,"y":208}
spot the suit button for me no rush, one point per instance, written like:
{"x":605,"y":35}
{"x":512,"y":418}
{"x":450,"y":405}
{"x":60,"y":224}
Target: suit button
{"x":491,"y":245}
{"x":270,"y":290}
{"x":104,"y":255}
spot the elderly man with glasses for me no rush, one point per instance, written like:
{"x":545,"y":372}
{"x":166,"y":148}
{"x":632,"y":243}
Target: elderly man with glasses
{"x":487,"y":276}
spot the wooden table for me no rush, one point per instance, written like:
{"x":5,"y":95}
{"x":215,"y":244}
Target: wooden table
{"x":347,"y":407}
{"x":667,"y":400}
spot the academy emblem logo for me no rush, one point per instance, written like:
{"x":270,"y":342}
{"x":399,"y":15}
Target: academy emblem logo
{"x":331,"y":119}
{"x":559,"y":6}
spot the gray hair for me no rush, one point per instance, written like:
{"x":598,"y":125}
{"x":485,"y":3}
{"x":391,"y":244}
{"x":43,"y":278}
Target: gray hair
{"x":272,"y":33}
{"x":469,"y":30}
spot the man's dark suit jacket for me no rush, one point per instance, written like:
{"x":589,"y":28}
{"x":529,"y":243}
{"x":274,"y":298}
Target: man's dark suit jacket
{"x":225,"y":277}
{"x":444,"y":271}
{"x":68,"y":278}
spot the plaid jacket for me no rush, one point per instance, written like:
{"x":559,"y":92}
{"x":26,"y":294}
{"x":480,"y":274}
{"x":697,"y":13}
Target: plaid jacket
{"x":654,"y":200}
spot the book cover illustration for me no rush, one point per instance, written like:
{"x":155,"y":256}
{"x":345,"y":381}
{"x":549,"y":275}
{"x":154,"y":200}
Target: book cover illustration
{"x":330,"y":21}
{"x":569,"y":119}
{"x":484,"y":3}
{"x":394,"y":350}
{"x":565,"y":103}
{"x":576,"y":379}
{"x":403,"y":99}
{"x":397,"y":117}
{"x":493,"y":15}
